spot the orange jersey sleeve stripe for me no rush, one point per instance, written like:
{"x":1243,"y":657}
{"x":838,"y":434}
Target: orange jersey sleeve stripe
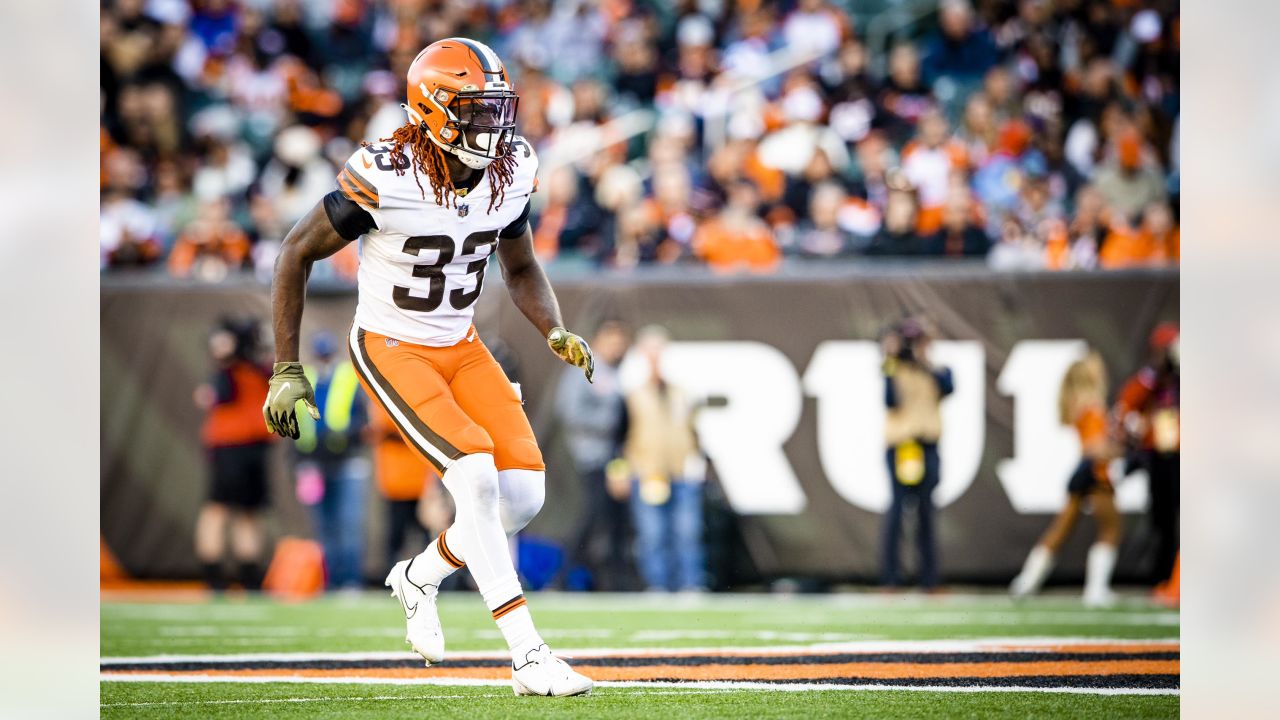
{"x":352,"y":193}
{"x":361,"y":183}
{"x":355,"y":190}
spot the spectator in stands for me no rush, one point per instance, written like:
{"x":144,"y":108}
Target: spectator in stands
{"x":736,"y":238}
{"x":1127,"y":183}
{"x":815,"y":27}
{"x":928,"y":163}
{"x":593,"y":417}
{"x":1154,"y":242}
{"x":1017,"y":249}
{"x":237,"y":444}
{"x":797,"y":195}
{"x":211,"y":246}
{"x":666,"y":492}
{"x":961,"y":51}
{"x":821,"y":236}
{"x":173,"y":203}
{"x":127,"y":233}
{"x":1035,"y":204}
{"x":1088,"y":227}
{"x":977,"y":131}
{"x":998,"y":181}
{"x":224,"y":92}
{"x":670,"y":206}
{"x":874,"y":160}
{"x":904,"y":98}
{"x":898,"y":235}
{"x":572,"y":222}
{"x":332,"y":470}
{"x":913,"y":393}
{"x":851,"y":92}
{"x":959,"y":235}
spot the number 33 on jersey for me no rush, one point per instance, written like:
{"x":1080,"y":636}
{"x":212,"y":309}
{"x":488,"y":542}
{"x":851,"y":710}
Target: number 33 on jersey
{"x":422,"y":265}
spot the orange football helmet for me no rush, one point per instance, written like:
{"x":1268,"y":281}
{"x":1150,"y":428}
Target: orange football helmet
{"x":460,"y":95}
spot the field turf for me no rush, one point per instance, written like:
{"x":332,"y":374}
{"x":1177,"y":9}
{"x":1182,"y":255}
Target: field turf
{"x":673,"y":656}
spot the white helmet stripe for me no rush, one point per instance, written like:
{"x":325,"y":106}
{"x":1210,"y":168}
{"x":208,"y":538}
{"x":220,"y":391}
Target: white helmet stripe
{"x":489,"y":60}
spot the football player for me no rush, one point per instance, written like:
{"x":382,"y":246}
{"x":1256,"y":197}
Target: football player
{"x":429,"y":205}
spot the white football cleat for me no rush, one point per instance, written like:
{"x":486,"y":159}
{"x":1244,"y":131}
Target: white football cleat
{"x":419,"y":603}
{"x":545,"y":674}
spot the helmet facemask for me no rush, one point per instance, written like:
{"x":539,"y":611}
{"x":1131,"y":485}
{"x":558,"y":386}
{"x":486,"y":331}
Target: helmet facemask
{"x":478,"y":125}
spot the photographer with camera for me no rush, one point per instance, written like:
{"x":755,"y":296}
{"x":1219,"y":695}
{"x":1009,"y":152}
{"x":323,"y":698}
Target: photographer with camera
{"x":913,"y":393}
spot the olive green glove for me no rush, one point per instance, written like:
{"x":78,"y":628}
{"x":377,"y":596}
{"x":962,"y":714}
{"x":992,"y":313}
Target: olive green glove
{"x":289,"y":384}
{"x":572,"y":349}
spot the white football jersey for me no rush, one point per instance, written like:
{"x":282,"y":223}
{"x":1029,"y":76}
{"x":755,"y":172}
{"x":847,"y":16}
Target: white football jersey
{"x":422,"y":267}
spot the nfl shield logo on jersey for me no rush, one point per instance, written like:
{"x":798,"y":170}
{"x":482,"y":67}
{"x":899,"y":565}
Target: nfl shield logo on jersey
{"x":463,"y":210}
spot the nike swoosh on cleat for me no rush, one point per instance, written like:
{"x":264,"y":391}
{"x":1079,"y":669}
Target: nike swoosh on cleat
{"x":409,"y":612}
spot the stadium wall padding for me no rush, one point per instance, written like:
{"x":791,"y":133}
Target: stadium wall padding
{"x":154,"y":353}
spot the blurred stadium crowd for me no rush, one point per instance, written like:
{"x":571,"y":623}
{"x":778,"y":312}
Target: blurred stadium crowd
{"x":1037,"y":134}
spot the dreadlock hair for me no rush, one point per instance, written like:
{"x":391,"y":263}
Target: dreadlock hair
{"x":429,"y":160}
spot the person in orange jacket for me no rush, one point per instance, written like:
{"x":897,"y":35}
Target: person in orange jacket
{"x":236,"y":444}
{"x":1148,"y":405}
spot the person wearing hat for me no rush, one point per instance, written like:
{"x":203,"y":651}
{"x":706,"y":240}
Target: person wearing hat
{"x":1148,"y":406}
{"x":332,"y":471}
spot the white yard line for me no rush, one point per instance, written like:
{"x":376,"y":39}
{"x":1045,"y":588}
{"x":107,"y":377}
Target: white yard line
{"x":970,"y":645}
{"x":694,"y":686}
{"x":265,"y":701}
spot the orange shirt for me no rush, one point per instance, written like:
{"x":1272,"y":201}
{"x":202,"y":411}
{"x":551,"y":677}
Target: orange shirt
{"x":1091,"y":425}
{"x":725,"y":248}
{"x":239,"y":420}
{"x":230,"y":243}
{"x":1138,"y":247}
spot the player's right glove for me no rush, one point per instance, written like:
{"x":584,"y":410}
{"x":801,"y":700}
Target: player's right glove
{"x":289,"y":384}
{"x":572,"y":349}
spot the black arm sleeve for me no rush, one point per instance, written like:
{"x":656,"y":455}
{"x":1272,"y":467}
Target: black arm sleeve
{"x":349,"y":219}
{"x":517,"y":226}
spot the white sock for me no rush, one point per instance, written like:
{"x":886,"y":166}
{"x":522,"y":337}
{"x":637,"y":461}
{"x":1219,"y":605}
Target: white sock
{"x":1034,"y":571}
{"x":1097,"y":570}
{"x":433,"y":565}
{"x":518,"y":630}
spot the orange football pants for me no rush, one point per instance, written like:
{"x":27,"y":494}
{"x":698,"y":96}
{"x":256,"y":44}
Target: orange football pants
{"x":447,"y":401}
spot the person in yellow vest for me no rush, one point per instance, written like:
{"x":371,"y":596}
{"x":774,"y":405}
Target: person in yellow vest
{"x":332,"y":469}
{"x":914,"y":390}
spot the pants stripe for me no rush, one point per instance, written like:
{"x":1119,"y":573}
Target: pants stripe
{"x":434,"y":448}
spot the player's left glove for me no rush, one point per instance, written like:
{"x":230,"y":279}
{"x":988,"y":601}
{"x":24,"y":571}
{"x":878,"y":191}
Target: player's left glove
{"x":289,"y":384}
{"x":572,"y":349}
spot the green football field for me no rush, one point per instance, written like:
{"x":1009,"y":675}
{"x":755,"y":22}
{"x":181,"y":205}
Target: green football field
{"x":843,"y":655}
